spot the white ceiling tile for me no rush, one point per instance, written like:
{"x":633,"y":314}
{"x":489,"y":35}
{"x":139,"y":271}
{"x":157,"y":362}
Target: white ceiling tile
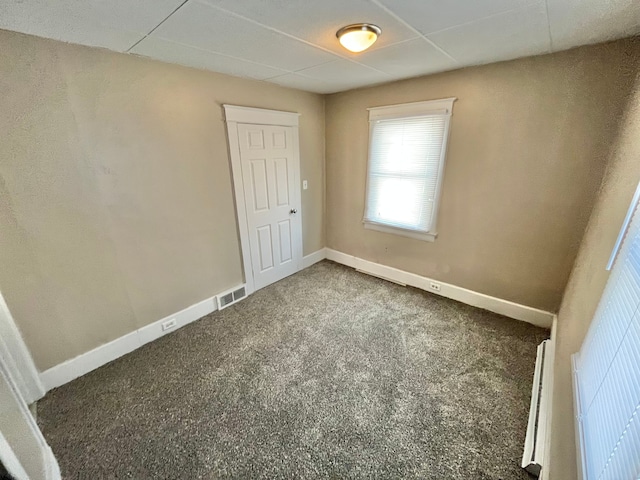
{"x":428,"y":16}
{"x":579,"y":22}
{"x":517,"y":33}
{"x":294,"y":80}
{"x":205,"y":27}
{"x":272,"y":39}
{"x":408,"y":59}
{"x":343,"y":74}
{"x":194,"y":57}
{"x":116,"y":24}
{"x":318,"y":21}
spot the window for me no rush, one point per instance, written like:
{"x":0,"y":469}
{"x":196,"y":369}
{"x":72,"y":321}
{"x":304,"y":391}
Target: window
{"x":607,"y":369}
{"x":407,"y":147}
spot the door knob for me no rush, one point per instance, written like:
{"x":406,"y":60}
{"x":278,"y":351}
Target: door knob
{"x":293,"y":211}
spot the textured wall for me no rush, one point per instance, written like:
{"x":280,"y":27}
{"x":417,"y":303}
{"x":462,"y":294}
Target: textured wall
{"x":588,"y":280}
{"x":116,"y":204}
{"x":527,"y":151}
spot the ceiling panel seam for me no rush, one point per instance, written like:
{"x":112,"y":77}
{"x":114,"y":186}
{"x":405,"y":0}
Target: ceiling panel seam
{"x":401,"y":20}
{"x":293,"y":37}
{"x":283,"y":70}
{"x":477,"y":20}
{"x":546,"y":11}
{"x":154,"y":28}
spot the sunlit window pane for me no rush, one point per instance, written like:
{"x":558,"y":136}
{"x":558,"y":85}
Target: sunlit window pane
{"x":405,"y":157}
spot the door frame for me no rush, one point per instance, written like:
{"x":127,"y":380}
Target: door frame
{"x":7,"y":454}
{"x":16,"y":359}
{"x":234,"y":115}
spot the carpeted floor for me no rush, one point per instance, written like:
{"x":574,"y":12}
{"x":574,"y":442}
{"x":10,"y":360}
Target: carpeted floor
{"x":327,"y":374}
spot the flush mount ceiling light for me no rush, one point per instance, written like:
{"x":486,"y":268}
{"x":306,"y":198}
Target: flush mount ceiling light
{"x":358,"y":37}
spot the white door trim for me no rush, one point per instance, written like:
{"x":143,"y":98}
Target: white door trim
{"x":258,"y":116}
{"x":16,"y":358}
{"x":10,"y":461}
{"x":7,"y":454}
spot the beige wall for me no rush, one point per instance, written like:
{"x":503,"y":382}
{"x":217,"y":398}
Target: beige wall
{"x":527,"y":152}
{"x":116,"y":205}
{"x":588,"y":279}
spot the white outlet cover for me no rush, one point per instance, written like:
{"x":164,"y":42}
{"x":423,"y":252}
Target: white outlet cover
{"x":169,"y":324}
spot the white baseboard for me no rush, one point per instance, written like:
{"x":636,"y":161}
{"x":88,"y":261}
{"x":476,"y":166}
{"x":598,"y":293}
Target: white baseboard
{"x":314,"y":257}
{"x":83,"y":364}
{"x":190,"y":314}
{"x":535,"y":316}
{"x":86,"y":362}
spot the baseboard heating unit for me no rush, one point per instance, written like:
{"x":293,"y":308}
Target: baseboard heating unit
{"x":533,"y":457}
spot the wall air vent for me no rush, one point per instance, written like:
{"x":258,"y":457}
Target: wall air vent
{"x":231,"y":296}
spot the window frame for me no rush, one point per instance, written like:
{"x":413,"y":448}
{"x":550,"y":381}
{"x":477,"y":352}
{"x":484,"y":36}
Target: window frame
{"x":597,"y":358}
{"x":442,"y":107}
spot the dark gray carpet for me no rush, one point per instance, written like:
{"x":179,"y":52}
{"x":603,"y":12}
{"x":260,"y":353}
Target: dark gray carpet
{"x":326,"y":374}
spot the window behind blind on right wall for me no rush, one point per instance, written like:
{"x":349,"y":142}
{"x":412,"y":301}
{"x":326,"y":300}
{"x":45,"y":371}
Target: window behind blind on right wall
{"x":607,"y":368}
{"x":407,"y":152}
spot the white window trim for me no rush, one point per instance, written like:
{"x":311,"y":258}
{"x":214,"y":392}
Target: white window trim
{"x":625,"y":226}
{"x":426,"y":236}
{"x":434,"y":107}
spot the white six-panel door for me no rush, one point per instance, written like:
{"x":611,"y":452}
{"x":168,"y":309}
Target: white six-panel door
{"x":269,"y":163}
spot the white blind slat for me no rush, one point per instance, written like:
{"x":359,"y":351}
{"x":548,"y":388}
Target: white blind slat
{"x":405,"y":156}
{"x":608,"y":371}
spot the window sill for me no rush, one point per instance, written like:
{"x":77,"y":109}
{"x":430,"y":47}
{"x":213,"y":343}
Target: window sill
{"x":427,"y":237}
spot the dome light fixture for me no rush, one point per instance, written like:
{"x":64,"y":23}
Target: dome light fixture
{"x":359,"y":36}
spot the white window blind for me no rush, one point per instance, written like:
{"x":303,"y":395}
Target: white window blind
{"x":406,"y":159}
{"x":607,"y":372}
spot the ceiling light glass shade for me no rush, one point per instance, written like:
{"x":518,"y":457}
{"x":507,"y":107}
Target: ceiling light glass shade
{"x":358,"y":37}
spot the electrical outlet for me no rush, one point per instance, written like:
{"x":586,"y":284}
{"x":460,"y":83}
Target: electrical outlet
{"x":305,"y":185}
{"x":434,"y":286}
{"x":169,"y":324}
